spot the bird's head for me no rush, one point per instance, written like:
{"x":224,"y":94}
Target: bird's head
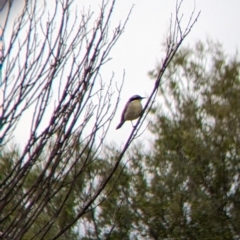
{"x":136,"y":97}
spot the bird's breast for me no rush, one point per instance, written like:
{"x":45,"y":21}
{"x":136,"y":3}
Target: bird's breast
{"x":133,"y":111}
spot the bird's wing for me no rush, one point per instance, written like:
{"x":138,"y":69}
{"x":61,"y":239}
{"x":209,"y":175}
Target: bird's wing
{"x":124,"y":111}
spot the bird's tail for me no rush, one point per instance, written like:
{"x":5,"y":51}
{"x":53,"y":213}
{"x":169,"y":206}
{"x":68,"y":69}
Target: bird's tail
{"x":119,"y":125}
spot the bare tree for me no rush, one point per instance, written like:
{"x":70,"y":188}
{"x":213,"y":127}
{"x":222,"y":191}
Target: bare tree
{"x":52,"y":76}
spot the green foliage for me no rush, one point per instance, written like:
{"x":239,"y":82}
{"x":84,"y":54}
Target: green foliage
{"x":46,"y":213}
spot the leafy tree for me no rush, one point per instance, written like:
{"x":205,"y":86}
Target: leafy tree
{"x":196,"y":152}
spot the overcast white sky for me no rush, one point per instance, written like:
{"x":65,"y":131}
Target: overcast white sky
{"x":139,"y":48}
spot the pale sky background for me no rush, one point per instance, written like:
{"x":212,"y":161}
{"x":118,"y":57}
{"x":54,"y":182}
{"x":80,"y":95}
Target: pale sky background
{"x":139,"y":48}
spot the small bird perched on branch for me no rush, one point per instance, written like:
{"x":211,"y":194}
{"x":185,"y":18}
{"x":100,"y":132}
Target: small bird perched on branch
{"x":132,"y":110}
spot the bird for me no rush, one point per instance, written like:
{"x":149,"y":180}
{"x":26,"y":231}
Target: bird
{"x":132,"y":110}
